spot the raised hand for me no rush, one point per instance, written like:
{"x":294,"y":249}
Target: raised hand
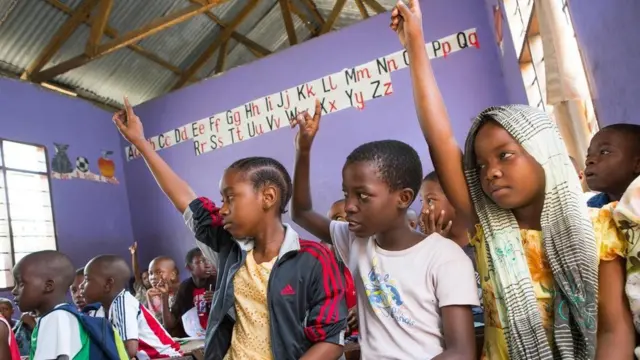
{"x":129,"y":124}
{"x":406,"y":21}
{"x":429,"y":224}
{"x":133,"y":248}
{"x":308,"y":127}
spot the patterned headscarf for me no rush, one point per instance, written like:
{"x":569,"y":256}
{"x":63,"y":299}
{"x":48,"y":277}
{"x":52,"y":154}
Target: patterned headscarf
{"x":568,"y":241}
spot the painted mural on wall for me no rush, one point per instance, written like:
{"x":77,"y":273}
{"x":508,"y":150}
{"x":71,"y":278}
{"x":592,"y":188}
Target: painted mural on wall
{"x":348,"y":88}
{"x":63,"y":169}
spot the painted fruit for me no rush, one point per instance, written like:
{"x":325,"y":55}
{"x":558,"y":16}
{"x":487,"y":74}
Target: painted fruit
{"x":106,"y":166}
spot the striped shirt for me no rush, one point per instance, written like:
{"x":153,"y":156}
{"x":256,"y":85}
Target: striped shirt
{"x":133,"y":321}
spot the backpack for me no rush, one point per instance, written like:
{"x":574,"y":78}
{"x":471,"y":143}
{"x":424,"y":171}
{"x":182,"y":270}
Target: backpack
{"x":105,"y":343}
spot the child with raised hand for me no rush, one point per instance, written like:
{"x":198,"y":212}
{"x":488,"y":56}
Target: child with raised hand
{"x":535,"y":246}
{"x":613,"y":162}
{"x":415,"y":294}
{"x":141,"y":282}
{"x":164,"y":281}
{"x":279,"y":297}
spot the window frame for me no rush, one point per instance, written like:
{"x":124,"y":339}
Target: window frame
{"x":3,"y":170}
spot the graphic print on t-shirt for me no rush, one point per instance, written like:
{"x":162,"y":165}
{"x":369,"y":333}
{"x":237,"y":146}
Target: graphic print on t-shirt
{"x":384,"y":295}
{"x":202,"y":307}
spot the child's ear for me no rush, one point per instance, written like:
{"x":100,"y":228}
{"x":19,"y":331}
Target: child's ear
{"x":405,"y":198}
{"x":636,"y":167}
{"x":49,"y":286}
{"x":108,"y":285}
{"x":269,"y":196}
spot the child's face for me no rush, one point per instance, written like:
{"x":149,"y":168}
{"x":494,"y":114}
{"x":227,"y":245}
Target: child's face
{"x":145,"y":279}
{"x":243,"y":208}
{"x":201,"y":268}
{"x":611,"y":165}
{"x":29,"y":288}
{"x":369,"y":204}
{"x":337,"y":212}
{"x":509,"y":175}
{"x":76,"y":293}
{"x":431,"y":195}
{"x":94,"y":285}
{"x":162,"y":271}
{"x":6,"y":310}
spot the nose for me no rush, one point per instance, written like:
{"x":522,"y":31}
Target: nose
{"x":589,"y":161}
{"x":350,"y":206}
{"x":493,"y":172}
{"x":224,"y":210}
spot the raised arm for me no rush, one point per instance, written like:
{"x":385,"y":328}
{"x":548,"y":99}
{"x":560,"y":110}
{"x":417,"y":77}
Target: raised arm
{"x":302,"y":212}
{"x":432,"y":113}
{"x":135,"y":265}
{"x":176,"y":189}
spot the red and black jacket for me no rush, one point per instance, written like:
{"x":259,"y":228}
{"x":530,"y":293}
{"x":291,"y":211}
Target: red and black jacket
{"x":305,"y":293}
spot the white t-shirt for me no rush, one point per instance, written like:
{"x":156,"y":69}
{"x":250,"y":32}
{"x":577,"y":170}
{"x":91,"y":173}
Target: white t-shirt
{"x":133,"y":321}
{"x":400,"y":293}
{"x":58,"y":334}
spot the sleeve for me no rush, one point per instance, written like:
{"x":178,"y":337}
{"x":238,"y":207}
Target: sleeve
{"x":58,"y":335}
{"x":342,"y":239}
{"x":454,"y":278}
{"x":476,"y":237}
{"x":124,"y":317}
{"x":327,"y":319}
{"x":182,"y":301}
{"x":609,"y":239}
{"x":205,"y":222}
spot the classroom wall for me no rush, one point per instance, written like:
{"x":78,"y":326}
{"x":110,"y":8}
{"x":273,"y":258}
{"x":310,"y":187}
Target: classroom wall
{"x":607,"y":33}
{"x":470,"y":80}
{"x":91,"y":218}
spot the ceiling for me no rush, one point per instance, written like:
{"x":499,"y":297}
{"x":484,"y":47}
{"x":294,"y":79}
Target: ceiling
{"x":101,"y":49}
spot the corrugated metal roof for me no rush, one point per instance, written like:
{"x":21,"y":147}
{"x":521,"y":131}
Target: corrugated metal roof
{"x":30,"y":25}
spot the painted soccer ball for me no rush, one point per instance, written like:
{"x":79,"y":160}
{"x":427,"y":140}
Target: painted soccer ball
{"x":82,"y":164}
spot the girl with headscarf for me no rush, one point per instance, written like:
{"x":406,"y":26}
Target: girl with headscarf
{"x":553,"y":287}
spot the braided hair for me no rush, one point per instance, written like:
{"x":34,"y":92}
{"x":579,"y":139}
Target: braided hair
{"x":265,"y":170}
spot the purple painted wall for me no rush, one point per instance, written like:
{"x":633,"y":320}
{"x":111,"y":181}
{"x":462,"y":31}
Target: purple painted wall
{"x":470,"y":81}
{"x":608,"y":33}
{"x":91,"y":218}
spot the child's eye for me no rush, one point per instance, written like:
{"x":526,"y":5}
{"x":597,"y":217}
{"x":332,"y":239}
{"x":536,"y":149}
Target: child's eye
{"x":430,"y":202}
{"x":363,"y":196}
{"x":505,"y":155}
{"x":605,"y":152}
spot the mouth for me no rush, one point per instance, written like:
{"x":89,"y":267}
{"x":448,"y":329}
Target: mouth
{"x":354,"y":226}
{"x":499,"y":190}
{"x":589,"y":174}
{"x":227,"y":225}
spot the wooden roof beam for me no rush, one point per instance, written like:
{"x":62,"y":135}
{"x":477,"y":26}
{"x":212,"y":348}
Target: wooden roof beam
{"x":224,"y":35}
{"x":98,"y":26}
{"x":288,"y":22}
{"x":375,"y":6}
{"x":303,"y":17}
{"x":335,"y":12}
{"x":363,"y":9}
{"x":127,"y":39}
{"x":311,"y":5}
{"x":256,"y":49}
{"x":79,"y":15}
{"x":112,"y":33}
{"x":222,"y":57}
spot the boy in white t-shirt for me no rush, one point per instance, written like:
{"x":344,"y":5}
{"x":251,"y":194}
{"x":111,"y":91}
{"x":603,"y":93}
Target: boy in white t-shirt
{"x":105,"y":281}
{"x":414,"y":293}
{"x":41,"y":283}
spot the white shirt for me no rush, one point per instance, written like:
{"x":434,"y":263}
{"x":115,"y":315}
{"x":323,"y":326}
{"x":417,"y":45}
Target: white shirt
{"x":400,"y":293}
{"x":58,"y":335}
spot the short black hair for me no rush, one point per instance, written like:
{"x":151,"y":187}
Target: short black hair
{"x":266,"y":170}
{"x":398,"y":164}
{"x":80,"y":271}
{"x":191,"y":254}
{"x":630,"y":131}
{"x":51,"y":264}
{"x":432,"y":176}
{"x":6,"y":301}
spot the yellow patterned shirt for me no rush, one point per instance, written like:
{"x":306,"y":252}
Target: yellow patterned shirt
{"x":251,"y":339}
{"x":610,"y":241}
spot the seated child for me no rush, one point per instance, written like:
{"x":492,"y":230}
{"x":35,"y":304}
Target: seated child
{"x":439,"y":216}
{"x":42,"y":280}
{"x":163,"y":278}
{"x":105,"y":279}
{"x":76,"y":294}
{"x":9,"y":348}
{"x":279,"y":297}
{"x":412,"y":219}
{"x":416,"y":294}
{"x":140,"y":278}
{"x":613,"y":162}
{"x":196,"y":291}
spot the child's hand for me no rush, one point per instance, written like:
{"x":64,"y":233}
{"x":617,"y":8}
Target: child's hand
{"x":352,"y":319}
{"x":133,"y":248}
{"x":29,"y":320}
{"x":429,"y":225}
{"x":308,"y":128}
{"x":407,"y":22}
{"x":208,"y":296}
{"x":129,"y":124}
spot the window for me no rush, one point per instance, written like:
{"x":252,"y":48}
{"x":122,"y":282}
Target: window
{"x":26,"y":215}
